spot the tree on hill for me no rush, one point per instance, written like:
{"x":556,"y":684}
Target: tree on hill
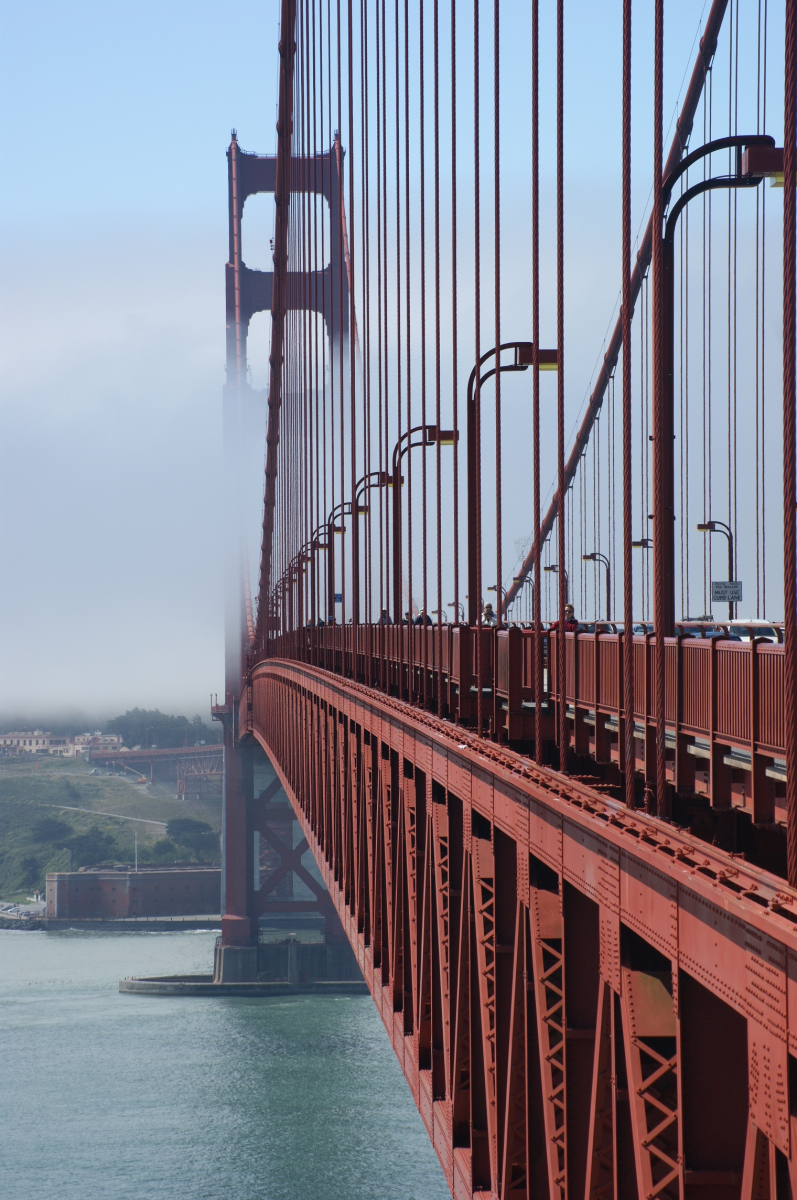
{"x":163,"y":851}
{"x":197,"y":836}
{"x":50,"y":829}
{"x":150,"y":727}
{"x":30,"y":871}
{"x":90,"y":848}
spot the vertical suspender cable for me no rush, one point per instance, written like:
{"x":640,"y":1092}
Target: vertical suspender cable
{"x":709,"y":327}
{"x":438,"y":491}
{"x":535,"y":289}
{"x":790,"y":428}
{"x":307,"y":438}
{"x":454,"y":324}
{"x":424,"y":546}
{"x":355,"y":523}
{"x":704,"y":274}
{"x":628,"y":764}
{"x":382,"y":457}
{"x":407,"y":344}
{"x":335,"y":324}
{"x":560,"y":379}
{"x":758,"y":341}
{"x":596,"y":511}
{"x":455,"y":328}
{"x":733,"y":519}
{"x":643,"y":444}
{"x":497,"y":276}
{"x":684,"y":563}
{"x":339,"y":220}
{"x":326,"y":314}
{"x":397,"y":546}
{"x":660,"y":512}
{"x":315,"y":518}
{"x":763,"y":348}
{"x":366,"y":292}
{"x":385,"y":318}
{"x":477,"y":606}
{"x":685,"y":448}
{"x":733,"y":40}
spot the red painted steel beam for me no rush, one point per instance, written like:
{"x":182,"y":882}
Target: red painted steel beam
{"x":584,"y":1002}
{"x":101,"y":756}
{"x":683,"y":129}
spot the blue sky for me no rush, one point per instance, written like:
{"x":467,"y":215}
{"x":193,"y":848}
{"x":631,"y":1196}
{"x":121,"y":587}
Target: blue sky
{"x":126,"y":108}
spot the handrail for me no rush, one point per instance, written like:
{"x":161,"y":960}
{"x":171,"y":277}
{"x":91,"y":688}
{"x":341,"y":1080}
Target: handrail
{"x":722,"y":697}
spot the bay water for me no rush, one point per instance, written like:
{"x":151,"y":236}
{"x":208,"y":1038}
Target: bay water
{"x":124,"y":1097}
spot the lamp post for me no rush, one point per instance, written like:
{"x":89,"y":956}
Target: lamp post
{"x":374,"y":479}
{"x":597,"y":557}
{"x":524,"y":358}
{"x":755,"y":158}
{"x":553,"y":569}
{"x":460,"y":611}
{"x":525,"y":581}
{"x":315,"y":544}
{"x":430,"y":435}
{"x":720,"y":527}
{"x":754,"y":155}
{"x":304,"y":559}
{"x":342,"y":509}
{"x":293,"y":574}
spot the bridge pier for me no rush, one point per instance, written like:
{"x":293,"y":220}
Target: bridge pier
{"x":254,"y":821}
{"x":235,"y":964}
{"x":236,"y":927}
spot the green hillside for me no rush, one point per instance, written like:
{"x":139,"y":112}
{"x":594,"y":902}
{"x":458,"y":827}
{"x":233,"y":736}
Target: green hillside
{"x":42,"y":827}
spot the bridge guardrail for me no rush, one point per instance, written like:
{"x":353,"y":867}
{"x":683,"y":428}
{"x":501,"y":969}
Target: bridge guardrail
{"x":723,"y":700}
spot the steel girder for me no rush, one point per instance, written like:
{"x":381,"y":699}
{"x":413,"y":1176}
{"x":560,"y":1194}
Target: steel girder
{"x":585,"y":1002}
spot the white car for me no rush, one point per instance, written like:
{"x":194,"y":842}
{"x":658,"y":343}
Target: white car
{"x":746,"y":630}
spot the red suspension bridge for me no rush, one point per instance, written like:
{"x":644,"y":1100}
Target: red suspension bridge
{"x":557,"y":819}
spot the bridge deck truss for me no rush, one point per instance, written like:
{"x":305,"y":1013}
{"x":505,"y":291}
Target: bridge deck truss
{"x":584,"y":1002}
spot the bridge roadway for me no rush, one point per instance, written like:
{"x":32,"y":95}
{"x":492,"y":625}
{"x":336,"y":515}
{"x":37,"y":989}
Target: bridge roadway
{"x":584,"y":1000}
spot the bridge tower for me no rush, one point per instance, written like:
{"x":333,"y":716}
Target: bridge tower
{"x":250,"y":820}
{"x":249,"y":291}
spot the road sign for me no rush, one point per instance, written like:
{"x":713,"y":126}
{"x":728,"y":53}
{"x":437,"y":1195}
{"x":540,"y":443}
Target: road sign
{"x":726,"y":591}
{"x":338,"y":597}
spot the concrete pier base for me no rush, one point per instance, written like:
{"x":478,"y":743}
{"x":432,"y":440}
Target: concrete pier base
{"x":235,"y":964}
{"x":286,"y":967}
{"x":204,"y":985}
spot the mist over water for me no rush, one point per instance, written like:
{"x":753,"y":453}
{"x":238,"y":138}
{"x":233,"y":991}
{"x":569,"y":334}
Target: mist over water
{"x":110,"y":475}
{"x":158,"y":1098}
